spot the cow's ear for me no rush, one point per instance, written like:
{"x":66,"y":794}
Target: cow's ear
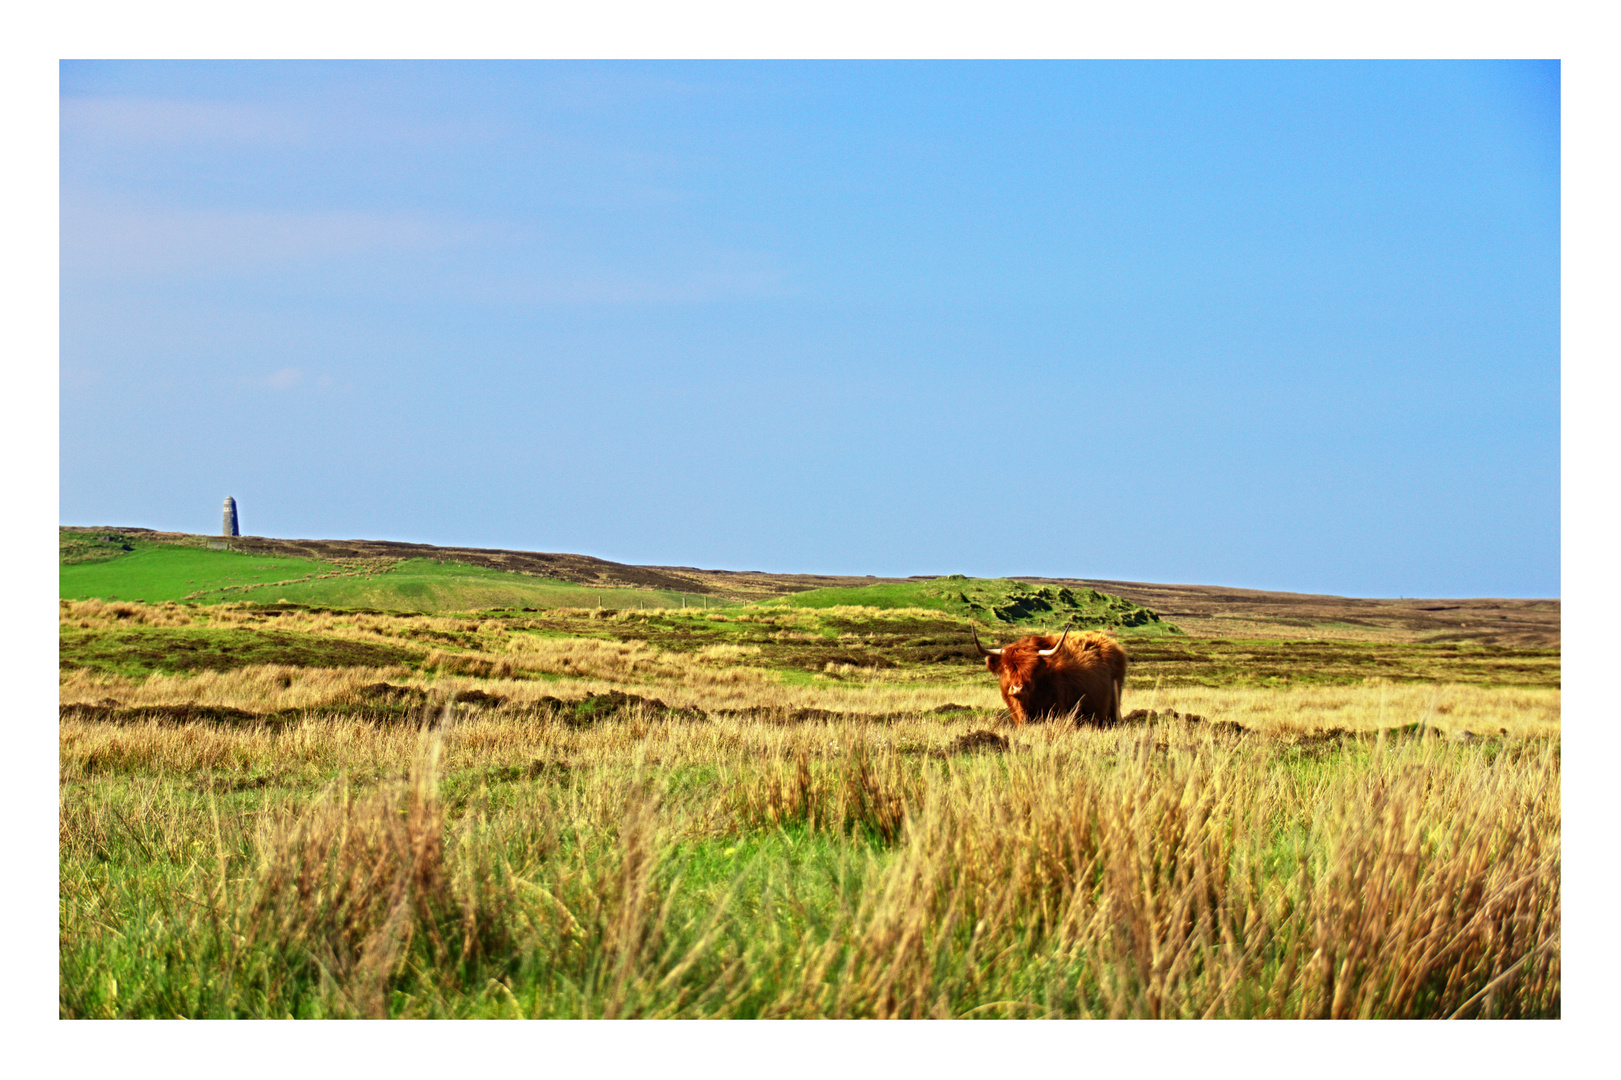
{"x":993,"y":663}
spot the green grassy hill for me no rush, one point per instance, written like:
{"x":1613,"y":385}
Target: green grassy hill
{"x":117,"y":566}
{"x":112,"y":565}
{"x":142,"y":570}
{"x":994,"y":600}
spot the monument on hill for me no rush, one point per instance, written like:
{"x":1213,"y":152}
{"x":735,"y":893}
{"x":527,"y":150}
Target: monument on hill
{"x":230,"y":528}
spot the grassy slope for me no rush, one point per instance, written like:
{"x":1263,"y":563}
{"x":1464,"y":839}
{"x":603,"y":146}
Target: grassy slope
{"x":156,"y":572}
{"x":430,"y":586}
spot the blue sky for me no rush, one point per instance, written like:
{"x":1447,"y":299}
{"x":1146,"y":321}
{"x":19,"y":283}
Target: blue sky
{"x":1280,"y":325}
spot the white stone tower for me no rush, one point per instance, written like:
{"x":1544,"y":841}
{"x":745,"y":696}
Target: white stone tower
{"x":230,"y":528}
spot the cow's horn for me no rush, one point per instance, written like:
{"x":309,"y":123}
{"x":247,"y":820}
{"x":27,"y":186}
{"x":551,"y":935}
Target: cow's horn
{"x":1055,"y":648}
{"x":983,"y":651}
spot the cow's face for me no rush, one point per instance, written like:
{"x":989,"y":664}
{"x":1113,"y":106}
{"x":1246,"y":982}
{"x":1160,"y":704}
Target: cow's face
{"x":1017,"y":672}
{"x":1017,"y":698}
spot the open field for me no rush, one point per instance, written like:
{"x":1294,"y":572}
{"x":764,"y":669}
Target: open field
{"x":777,"y":811}
{"x":810,"y":808}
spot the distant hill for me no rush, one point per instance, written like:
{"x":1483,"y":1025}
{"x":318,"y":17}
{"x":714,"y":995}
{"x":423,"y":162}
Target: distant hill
{"x":528,"y":579}
{"x":1217,"y":611}
{"x":738,"y":585}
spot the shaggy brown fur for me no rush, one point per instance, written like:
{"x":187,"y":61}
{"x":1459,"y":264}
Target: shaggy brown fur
{"x":1086,"y":676}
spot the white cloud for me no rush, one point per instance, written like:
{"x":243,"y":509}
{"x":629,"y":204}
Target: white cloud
{"x":168,"y":121}
{"x":101,"y":239}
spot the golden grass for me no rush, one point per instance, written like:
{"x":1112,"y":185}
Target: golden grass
{"x":86,"y":613}
{"x":705,"y":681}
{"x":256,"y":688}
{"x":1521,"y":711}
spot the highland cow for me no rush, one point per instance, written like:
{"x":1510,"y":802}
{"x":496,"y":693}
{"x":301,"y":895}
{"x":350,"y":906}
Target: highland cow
{"x":1045,"y":676}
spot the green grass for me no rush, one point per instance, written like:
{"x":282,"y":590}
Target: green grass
{"x":87,"y":547}
{"x":157,"y":572}
{"x":995,"y":600}
{"x":430,"y":586}
{"x":772,"y":884}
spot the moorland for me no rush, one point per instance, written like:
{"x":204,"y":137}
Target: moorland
{"x":323,"y":778}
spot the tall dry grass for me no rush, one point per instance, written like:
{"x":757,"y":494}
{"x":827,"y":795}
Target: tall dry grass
{"x":645,"y":868}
